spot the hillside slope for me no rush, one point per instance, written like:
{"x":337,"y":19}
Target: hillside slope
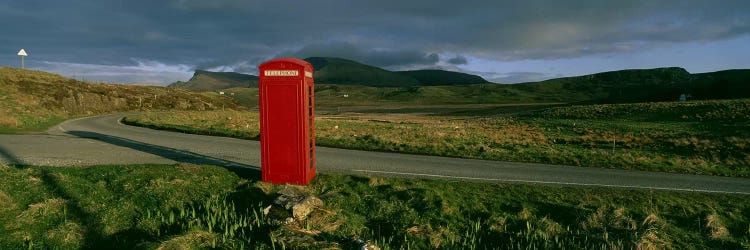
{"x":339,"y":71}
{"x":330,"y":70}
{"x":643,"y":85}
{"x":211,"y":81}
{"x":725,"y":84}
{"x":32,"y":99}
{"x":431,"y":77}
{"x":367,"y":85}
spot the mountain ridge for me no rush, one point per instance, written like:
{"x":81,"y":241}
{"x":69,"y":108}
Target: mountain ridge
{"x":618,"y":86}
{"x":331,"y":70}
{"x":203,"y":80}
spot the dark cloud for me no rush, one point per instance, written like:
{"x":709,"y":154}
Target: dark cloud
{"x":458,"y":60}
{"x":386,"y":33}
{"x":378,"y":57}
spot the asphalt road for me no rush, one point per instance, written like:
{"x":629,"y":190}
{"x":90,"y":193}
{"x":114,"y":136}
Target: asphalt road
{"x":103,"y":140}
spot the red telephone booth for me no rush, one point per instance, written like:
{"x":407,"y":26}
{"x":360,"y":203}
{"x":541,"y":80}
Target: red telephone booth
{"x":287,"y":125}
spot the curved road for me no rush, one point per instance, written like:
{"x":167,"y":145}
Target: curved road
{"x":103,"y":140}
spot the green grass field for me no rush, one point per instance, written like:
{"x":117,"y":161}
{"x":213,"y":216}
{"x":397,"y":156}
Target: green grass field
{"x":198,"y":207}
{"x":701,"y":137}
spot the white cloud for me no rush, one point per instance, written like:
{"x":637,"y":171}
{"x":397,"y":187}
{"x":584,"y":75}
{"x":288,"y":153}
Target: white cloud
{"x":143,"y":72}
{"x":240,"y":67}
{"x":517,"y":77}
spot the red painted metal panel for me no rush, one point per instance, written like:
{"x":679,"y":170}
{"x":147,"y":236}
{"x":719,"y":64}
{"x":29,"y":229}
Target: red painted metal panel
{"x":287,"y":124}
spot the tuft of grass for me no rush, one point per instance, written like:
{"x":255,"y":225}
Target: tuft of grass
{"x":68,"y":235}
{"x":716,"y":228}
{"x":190,"y":240}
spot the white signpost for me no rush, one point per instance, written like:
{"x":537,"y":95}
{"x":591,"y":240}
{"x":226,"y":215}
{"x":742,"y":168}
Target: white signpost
{"x":22,"y":54}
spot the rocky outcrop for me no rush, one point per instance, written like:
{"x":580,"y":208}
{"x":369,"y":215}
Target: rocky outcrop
{"x":91,"y":103}
{"x":301,"y":217}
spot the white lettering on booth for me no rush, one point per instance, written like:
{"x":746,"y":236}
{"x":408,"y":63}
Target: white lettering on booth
{"x":281,"y":73}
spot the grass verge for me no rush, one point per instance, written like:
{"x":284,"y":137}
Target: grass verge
{"x":706,"y":137}
{"x":33,"y":101}
{"x":194,"y":207}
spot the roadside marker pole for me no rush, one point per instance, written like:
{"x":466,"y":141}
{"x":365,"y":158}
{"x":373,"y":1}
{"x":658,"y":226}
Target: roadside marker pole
{"x":22,"y":53}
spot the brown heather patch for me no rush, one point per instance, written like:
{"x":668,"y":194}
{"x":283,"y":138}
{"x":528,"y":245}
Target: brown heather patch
{"x":526,"y":213}
{"x":654,"y":237}
{"x":695,"y":143}
{"x":27,"y":100}
{"x":651,"y":240}
{"x":6,"y":202}
{"x":604,"y":217}
{"x":9,"y":121}
{"x":266,"y":187}
{"x":592,"y":138}
{"x":447,"y":208}
{"x":33,"y":179}
{"x":652,"y":220}
{"x":499,"y":224}
{"x":429,"y":131}
{"x":436,"y":237}
{"x":189,"y":167}
{"x":191,"y":240}
{"x":37,"y":212}
{"x":596,"y":220}
{"x":715,"y":227}
{"x":67,"y":235}
{"x":375,"y":181}
{"x":740,"y":143}
{"x":551,"y":227}
{"x":623,"y":221}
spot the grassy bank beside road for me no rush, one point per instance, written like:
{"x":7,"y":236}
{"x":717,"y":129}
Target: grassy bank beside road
{"x":195,"y":207}
{"x":706,"y":137}
{"x":33,"y":101}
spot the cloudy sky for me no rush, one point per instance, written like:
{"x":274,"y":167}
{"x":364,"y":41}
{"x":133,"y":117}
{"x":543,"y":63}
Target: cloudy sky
{"x":158,"y":42}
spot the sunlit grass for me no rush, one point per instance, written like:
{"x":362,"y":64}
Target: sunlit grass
{"x":665,"y":137}
{"x":188,"y":206}
{"x":32,"y":101}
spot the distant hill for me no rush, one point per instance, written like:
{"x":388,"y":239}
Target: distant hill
{"x":211,"y":81}
{"x":437,"y":86}
{"x":30,"y":97}
{"x":644,"y":85}
{"x":429,"y":77}
{"x":625,"y":86}
{"x":725,"y":84}
{"x":340,"y":71}
{"x":330,"y":70}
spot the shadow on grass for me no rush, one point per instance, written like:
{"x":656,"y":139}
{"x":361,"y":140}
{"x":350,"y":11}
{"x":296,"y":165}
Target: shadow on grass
{"x":93,"y":227}
{"x":10,"y":158}
{"x":245,"y":196}
{"x":242,"y":170}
